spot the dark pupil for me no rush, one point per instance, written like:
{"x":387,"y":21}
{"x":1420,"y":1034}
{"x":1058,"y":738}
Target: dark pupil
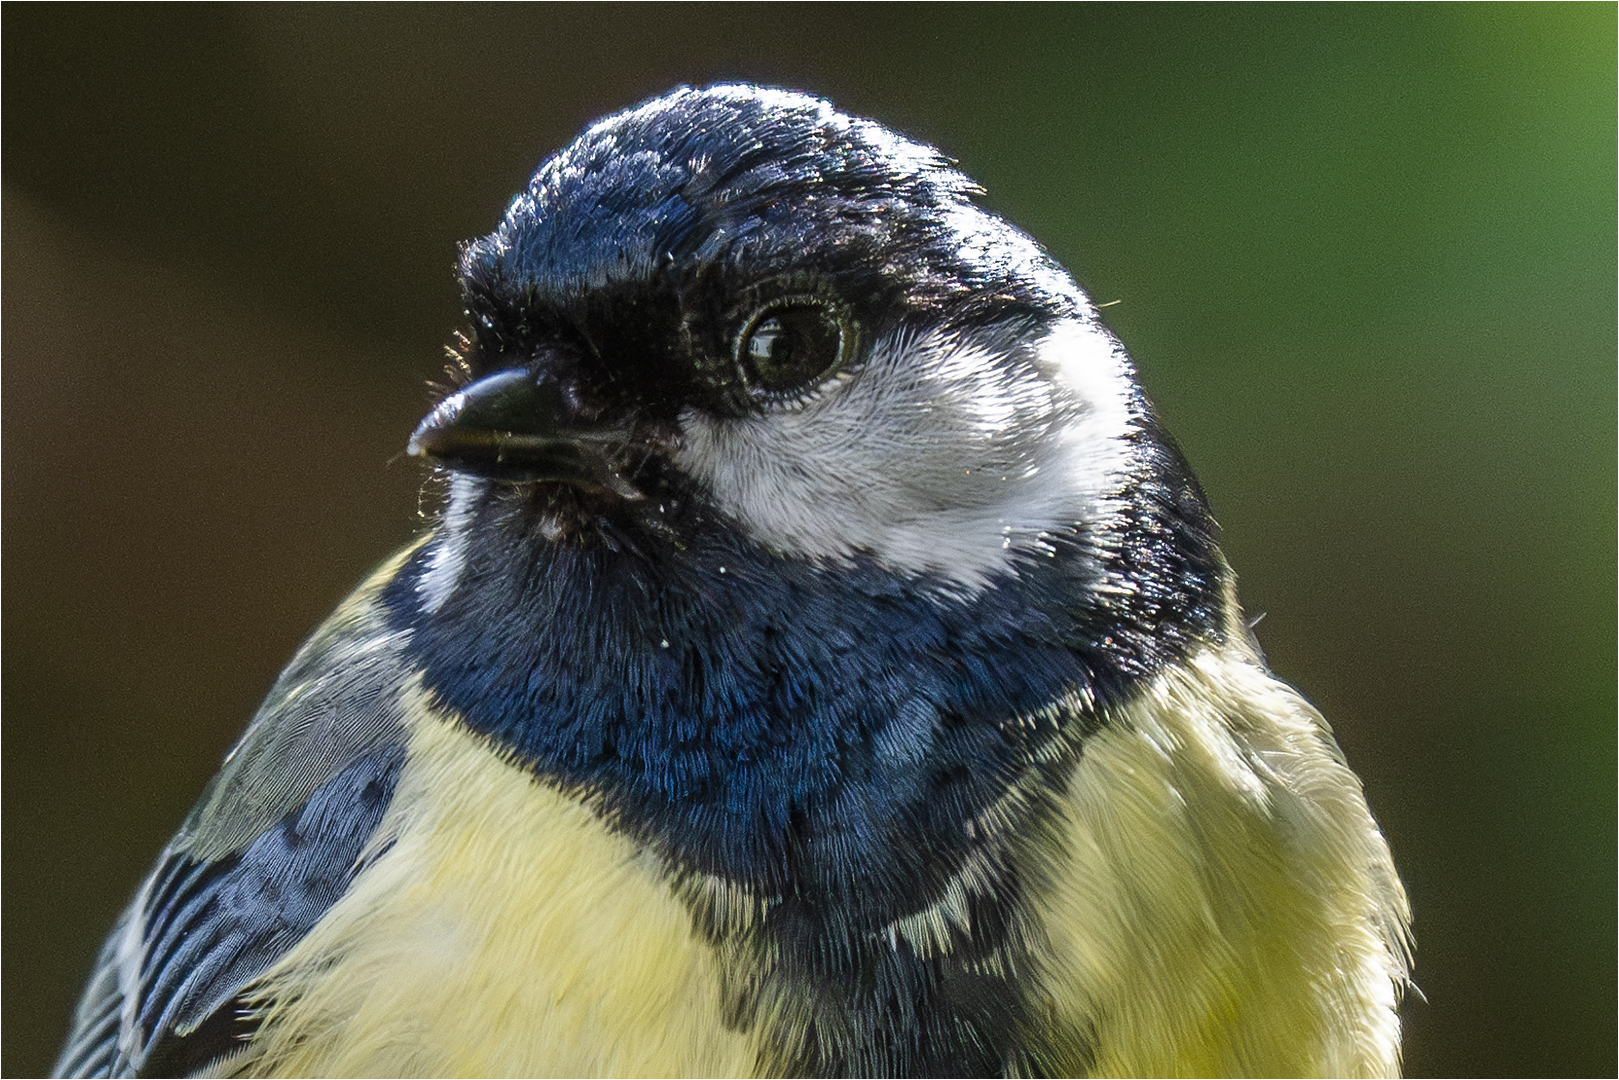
{"x":792,"y":347}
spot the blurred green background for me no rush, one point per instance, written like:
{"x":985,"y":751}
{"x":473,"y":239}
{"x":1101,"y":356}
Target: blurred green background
{"x":1364,"y":257}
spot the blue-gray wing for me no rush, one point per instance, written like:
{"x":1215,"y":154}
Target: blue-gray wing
{"x":275,"y":840}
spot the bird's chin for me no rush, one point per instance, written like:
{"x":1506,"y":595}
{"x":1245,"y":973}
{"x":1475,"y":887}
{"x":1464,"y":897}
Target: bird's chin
{"x":559,"y":511}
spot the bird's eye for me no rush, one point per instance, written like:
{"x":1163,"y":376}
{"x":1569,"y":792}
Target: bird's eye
{"x":791,"y":345}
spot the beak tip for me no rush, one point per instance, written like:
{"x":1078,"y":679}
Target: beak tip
{"x":421,"y":443}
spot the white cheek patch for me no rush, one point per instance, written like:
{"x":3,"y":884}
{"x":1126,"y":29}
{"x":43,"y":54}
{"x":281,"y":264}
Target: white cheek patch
{"x":946,"y":454}
{"x":449,"y":557}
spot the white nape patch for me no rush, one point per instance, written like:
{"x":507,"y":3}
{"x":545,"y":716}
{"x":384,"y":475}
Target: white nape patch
{"x":948,"y":454}
{"x":449,"y":555}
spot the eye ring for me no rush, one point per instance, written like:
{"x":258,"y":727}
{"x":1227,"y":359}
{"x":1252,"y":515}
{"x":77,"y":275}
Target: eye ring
{"x":792,"y":345}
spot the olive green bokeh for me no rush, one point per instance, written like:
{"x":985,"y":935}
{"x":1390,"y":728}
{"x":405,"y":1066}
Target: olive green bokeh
{"x":1364,"y":257}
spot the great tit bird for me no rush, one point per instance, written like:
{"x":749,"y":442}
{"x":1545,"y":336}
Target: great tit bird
{"x":822,"y":664}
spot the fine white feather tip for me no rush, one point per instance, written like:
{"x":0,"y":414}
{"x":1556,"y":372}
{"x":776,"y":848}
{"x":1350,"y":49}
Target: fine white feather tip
{"x":449,"y":554}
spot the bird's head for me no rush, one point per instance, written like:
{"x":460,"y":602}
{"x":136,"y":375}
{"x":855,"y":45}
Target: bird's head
{"x":740,"y":309}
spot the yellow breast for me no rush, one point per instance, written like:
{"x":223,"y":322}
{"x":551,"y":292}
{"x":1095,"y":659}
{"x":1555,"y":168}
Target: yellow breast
{"x":1225,"y":904}
{"x":502,"y":931}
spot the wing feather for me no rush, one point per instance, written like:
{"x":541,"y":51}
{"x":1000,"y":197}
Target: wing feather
{"x":272,"y":844}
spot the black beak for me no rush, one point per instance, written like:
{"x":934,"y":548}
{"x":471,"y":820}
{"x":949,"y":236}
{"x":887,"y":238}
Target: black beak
{"x":523,"y":427}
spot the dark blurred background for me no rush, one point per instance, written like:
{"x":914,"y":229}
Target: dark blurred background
{"x":1364,"y":257}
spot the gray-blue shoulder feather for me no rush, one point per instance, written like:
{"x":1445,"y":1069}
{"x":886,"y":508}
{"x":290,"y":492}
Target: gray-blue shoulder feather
{"x":274,"y":841}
